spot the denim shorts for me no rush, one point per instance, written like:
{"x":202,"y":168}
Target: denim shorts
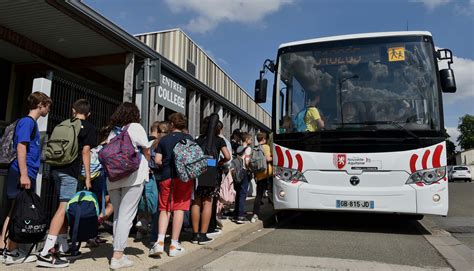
{"x":66,"y":185}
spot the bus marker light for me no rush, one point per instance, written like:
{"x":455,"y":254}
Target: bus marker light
{"x":436,"y":197}
{"x":282,"y":194}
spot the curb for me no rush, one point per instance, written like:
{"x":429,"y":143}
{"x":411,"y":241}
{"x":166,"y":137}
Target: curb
{"x":456,"y":254}
{"x":219,"y":247}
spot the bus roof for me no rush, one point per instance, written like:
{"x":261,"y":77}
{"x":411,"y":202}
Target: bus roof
{"x":358,"y":36}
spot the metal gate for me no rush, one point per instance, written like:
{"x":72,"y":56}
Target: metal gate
{"x":65,"y":91}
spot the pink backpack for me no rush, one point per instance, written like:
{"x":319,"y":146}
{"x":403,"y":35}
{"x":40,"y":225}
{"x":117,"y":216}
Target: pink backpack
{"x":227,"y":192}
{"x":119,"y":158}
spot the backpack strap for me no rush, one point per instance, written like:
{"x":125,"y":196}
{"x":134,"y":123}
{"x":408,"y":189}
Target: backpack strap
{"x":77,"y":219}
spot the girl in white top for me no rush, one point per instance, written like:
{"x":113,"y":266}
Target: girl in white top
{"x":125,"y":194}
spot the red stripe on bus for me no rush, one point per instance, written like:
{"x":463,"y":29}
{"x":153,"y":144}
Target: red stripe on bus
{"x":413,"y":159}
{"x":279,"y":156}
{"x":290,"y":159}
{"x":437,"y":156}
{"x":424,"y":162}
{"x":300,"y":162}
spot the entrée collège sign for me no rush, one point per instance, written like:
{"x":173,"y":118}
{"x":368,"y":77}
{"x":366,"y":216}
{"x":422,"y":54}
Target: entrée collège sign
{"x":171,"y":94}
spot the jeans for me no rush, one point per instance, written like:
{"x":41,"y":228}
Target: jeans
{"x":261,"y":187}
{"x":241,"y":190}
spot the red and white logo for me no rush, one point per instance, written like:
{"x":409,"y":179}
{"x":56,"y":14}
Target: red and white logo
{"x":339,"y":160}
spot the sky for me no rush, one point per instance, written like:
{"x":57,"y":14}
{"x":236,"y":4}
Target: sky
{"x":240,"y":34}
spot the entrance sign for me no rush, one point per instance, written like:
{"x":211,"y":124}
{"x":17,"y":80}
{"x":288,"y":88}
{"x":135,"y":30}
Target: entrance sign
{"x":171,"y":94}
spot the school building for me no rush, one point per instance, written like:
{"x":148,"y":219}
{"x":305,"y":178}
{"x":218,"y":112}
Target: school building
{"x":69,"y":51}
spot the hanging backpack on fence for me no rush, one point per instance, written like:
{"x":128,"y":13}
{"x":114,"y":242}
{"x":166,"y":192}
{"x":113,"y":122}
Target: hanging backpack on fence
{"x":227,"y":191}
{"x":28,"y":222}
{"x":149,"y":200}
{"x":8,"y":151}
{"x":189,"y":160}
{"x":62,"y":147}
{"x":82,"y":213}
{"x":237,"y":169}
{"x":258,"y":161}
{"x":119,"y":157}
{"x":95,"y":165}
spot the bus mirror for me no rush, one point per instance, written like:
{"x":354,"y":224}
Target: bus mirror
{"x":448,"y":83}
{"x":261,"y":90}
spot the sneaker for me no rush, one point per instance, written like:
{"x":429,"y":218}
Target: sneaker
{"x":254,"y":218}
{"x":141,"y":225}
{"x":242,"y":220}
{"x":51,"y":260}
{"x":203,"y":239}
{"x":17,"y":256}
{"x":120,"y":263}
{"x":139,"y":235}
{"x":176,"y":250}
{"x":157,"y":249}
{"x":214,"y":233}
{"x":70,"y":255}
{"x":195,"y":238}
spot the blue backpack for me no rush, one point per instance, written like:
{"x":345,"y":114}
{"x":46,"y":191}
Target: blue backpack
{"x":149,"y":200}
{"x":300,"y":123}
{"x":82,"y":213}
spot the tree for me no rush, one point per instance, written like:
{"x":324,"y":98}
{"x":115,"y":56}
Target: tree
{"x":451,"y":152}
{"x":466,"y":127}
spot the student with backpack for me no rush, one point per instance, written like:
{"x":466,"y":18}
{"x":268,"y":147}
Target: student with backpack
{"x":242,"y":187}
{"x":68,"y":148}
{"x":23,"y":143}
{"x":174,"y":193}
{"x":209,"y":182}
{"x":262,"y":177}
{"x":125,"y":159}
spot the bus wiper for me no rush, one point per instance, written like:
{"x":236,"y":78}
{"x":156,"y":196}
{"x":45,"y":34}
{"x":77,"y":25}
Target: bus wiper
{"x":391,"y":122}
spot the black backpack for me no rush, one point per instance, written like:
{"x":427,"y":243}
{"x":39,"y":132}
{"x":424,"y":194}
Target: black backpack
{"x":28,"y":222}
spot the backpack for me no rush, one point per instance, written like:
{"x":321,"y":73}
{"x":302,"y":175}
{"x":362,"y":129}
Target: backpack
{"x":149,"y":200}
{"x":82,"y":212}
{"x":258,"y":161}
{"x":300,"y":123}
{"x":62,"y":147}
{"x":237,"y":169}
{"x":227,"y":191}
{"x":118,"y":157}
{"x":189,"y":160}
{"x":95,"y":165}
{"x":28,"y":221}
{"x":8,"y":150}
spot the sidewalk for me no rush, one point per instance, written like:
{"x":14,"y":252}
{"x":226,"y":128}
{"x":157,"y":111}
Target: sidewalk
{"x":98,"y":258}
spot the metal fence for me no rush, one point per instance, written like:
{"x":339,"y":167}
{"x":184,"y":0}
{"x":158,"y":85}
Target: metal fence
{"x":64,"y":92}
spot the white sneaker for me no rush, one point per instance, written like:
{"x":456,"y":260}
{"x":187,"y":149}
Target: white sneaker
{"x":176,"y":250}
{"x":254,"y":218}
{"x":214,"y":233}
{"x":17,"y":256}
{"x":157,"y":248}
{"x":120,"y":263}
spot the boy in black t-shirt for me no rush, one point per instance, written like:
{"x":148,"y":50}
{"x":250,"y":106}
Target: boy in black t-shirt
{"x":66,"y":178}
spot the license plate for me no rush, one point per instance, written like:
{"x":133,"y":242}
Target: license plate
{"x":355,"y":204}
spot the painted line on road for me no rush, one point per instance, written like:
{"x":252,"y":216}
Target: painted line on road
{"x":457,"y":255}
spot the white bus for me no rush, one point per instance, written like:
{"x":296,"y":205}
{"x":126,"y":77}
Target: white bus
{"x":379,"y":142}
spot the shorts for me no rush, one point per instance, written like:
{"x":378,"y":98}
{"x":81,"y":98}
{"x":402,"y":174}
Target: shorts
{"x":13,"y":184}
{"x":181,"y":197}
{"x":66,"y":185}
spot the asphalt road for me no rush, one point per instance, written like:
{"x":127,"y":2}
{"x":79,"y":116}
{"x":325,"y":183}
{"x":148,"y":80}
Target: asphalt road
{"x":367,"y":237}
{"x":460,"y":219}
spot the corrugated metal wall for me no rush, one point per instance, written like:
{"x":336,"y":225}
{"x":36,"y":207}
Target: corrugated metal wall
{"x":179,"y":48}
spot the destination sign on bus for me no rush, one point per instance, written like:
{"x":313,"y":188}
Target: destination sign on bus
{"x":345,"y":56}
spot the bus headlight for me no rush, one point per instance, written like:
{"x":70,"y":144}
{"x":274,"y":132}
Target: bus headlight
{"x":427,"y":176}
{"x":288,"y":175}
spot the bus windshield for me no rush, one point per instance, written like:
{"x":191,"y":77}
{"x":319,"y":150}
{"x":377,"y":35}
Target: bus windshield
{"x":380,"y":84}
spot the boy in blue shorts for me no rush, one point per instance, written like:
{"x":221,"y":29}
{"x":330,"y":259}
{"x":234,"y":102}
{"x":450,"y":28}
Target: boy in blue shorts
{"x":23,"y":170}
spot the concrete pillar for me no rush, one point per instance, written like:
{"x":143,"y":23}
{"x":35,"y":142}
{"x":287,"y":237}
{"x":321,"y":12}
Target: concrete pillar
{"x":235,"y":122}
{"x":227,"y":124}
{"x":161,"y":113}
{"x":194,"y":113}
{"x":220,"y":111}
{"x":207,"y":107}
{"x":128,"y":78}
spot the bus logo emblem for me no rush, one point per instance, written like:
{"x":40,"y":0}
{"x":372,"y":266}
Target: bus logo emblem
{"x":339,"y":160}
{"x":354,"y":180}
